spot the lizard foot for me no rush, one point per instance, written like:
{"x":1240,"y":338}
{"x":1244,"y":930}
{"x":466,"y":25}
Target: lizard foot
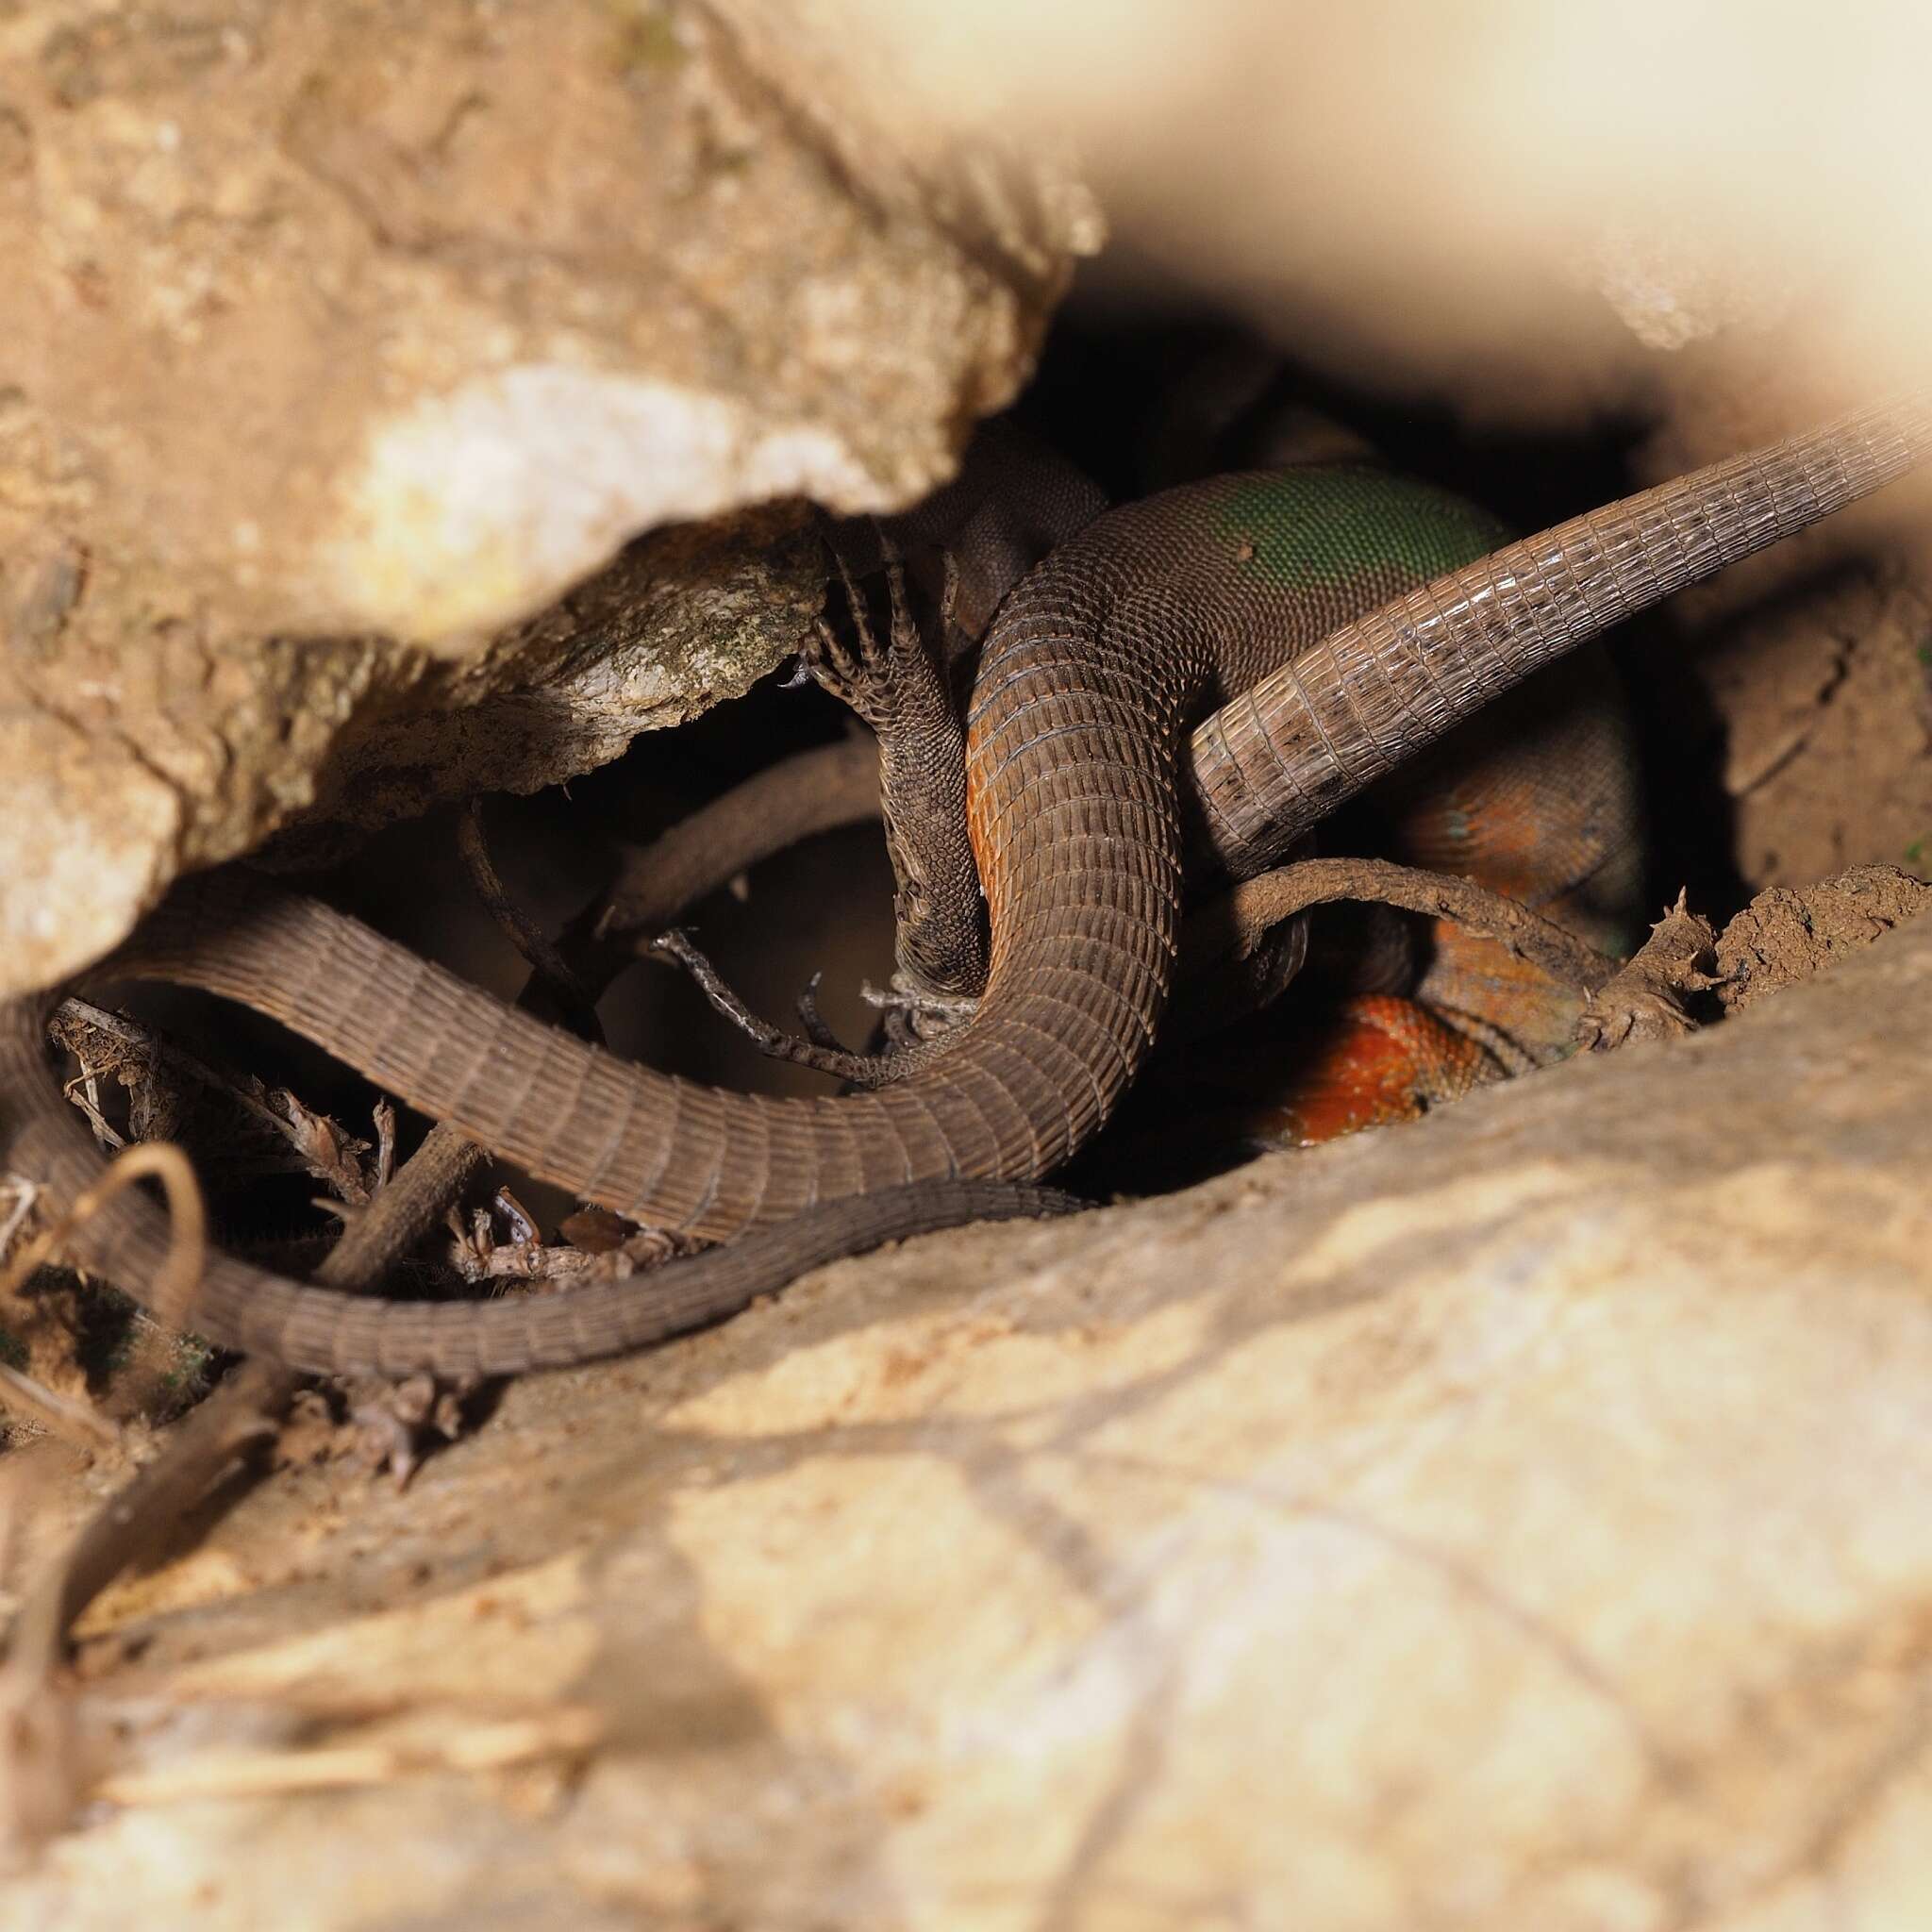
{"x":895,"y":680}
{"x":909,"y":1021}
{"x":817,"y":1047}
{"x":914,"y":1016}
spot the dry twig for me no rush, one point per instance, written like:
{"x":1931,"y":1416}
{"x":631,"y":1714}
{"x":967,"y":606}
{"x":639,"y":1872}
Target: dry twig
{"x":571,"y":1731}
{"x":107,"y":1043}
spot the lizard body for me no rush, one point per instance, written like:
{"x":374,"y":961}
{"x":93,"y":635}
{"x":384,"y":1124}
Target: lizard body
{"x":1094,"y":671}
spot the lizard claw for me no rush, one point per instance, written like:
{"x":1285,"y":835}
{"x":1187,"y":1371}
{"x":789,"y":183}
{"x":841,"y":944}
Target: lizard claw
{"x":878,"y":675}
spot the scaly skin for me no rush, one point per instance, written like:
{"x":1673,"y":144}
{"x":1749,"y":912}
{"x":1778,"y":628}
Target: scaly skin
{"x":1014,"y":503}
{"x":1094,"y":673}
{"x":1535,"y":798}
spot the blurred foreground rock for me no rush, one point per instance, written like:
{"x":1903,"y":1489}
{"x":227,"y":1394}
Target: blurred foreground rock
{"x":1517,"y":1519}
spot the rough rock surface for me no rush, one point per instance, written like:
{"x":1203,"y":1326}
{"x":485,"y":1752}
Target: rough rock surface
{"x":1517,"y":1519}
{"x":326,"y":327}
{"x":1803,"y":675}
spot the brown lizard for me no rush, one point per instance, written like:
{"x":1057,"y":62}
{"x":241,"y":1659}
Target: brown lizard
{"x":1345,"y":661}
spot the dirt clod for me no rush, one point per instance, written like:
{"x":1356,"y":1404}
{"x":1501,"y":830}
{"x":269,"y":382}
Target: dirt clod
{"x":1784,"y":936}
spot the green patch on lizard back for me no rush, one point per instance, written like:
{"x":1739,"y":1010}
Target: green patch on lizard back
{"x":1332,"y":526}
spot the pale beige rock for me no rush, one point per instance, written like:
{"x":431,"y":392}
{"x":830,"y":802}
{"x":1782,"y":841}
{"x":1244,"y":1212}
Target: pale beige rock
{"x":1517,"y":1519}
{"x":327,"y":328}
{"x":403,"y":317}
{"x":138,"y":749}
{"x":1404,"y":192}
{"x":1671,"y":286}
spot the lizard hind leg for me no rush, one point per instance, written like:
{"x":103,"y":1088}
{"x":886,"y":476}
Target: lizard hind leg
{"x":816,"y":1046}
{"x":899,"y":680}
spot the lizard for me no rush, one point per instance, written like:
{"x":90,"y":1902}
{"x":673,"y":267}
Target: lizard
{"x":1536,"y":798}
{"x":1091,"y":776}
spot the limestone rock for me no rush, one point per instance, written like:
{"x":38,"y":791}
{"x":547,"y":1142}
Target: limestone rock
{"x":1515,"y":1519}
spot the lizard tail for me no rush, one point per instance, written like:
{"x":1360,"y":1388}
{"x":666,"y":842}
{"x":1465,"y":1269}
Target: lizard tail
{"x":1340,"y":715}
{"x":243,"y":1306}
